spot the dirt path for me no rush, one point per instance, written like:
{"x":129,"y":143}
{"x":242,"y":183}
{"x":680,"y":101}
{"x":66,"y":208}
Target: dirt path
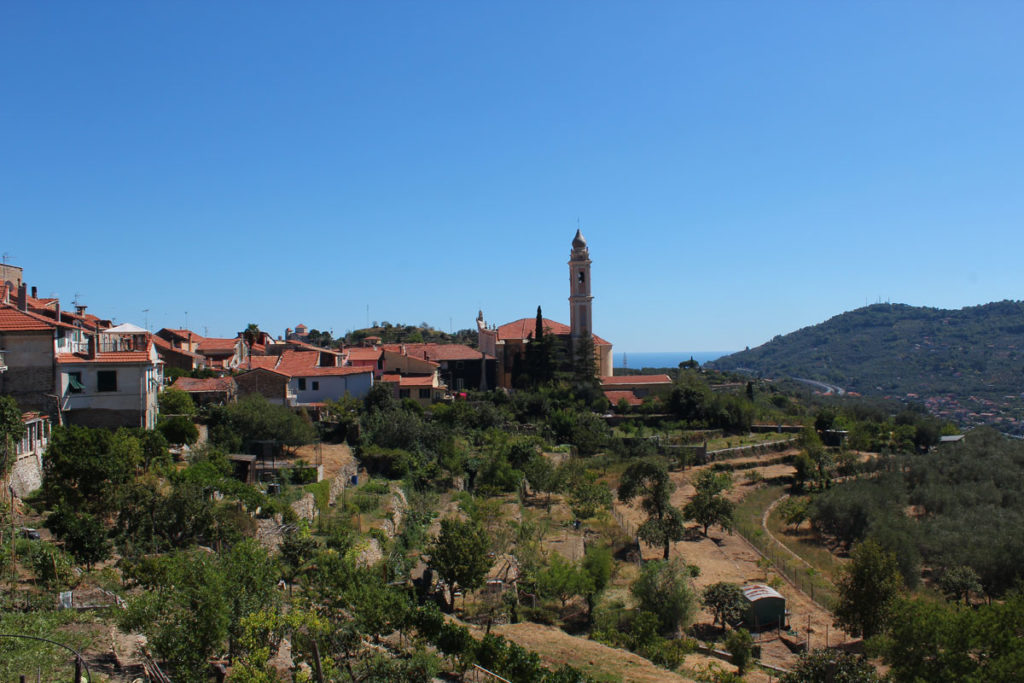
{"x":725,"y":557}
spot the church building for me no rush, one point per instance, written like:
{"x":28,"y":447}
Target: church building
{"x":507,"y":343}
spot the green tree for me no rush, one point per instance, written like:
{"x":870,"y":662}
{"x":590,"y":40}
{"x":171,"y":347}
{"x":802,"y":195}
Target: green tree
{"x":459,"y":555}
{"x":184,"y":612}
{"x":830,"y":666}
{"x":740,"y":645}
{"x":959,"y":582}
{"x":709,"y":505}
{"x":869,"y":586}
{"x":84,"y":535}
{"x":561,"y":579}
{"x":598,"y":562}
{"x":179,"y":430}
{"x":725,"y":601}
{"x":663,"y":588}
{"x":250,"y":581}
{"x":86,"y":468}
{"x":649,"y":480}
{"x":253,"y":419}
{"x":12,"y":430}
{"x":586,"y":494}
{"x":176,"y":402}
{"x":542,"y":476}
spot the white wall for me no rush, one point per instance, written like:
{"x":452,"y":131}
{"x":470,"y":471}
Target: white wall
{"x":331,"y":387}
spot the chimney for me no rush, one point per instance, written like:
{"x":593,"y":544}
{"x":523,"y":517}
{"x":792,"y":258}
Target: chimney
{"x":56,"y":310}
{"x":35,"y":291}
{"x":80,"y":309}
{"x":23,"y":298}
{"x":93,"y":343}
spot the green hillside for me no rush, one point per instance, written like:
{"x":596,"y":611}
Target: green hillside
{"x":973,"y":355}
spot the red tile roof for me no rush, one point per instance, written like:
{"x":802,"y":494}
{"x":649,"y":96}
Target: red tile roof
{"x":437,"y":352}
{"x":265,"y":362}
{"x":196,"y":385}
{"x":164,"y":346}
{"x":362,"y":353}
{"x":635,"y":379}
{"x":525,"y":327}
{"x":217,"y":345}
{"x":13,"y":320}
{"x":615,"y":396}
{"x":407,"y":380}
{"x":305,"y":364}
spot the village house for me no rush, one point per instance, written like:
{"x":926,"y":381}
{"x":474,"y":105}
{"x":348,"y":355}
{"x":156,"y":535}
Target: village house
{"x":460,"y":367}
{"x":27,"y":469}
{"x":306,"y":377}
{"x":208,"y":391}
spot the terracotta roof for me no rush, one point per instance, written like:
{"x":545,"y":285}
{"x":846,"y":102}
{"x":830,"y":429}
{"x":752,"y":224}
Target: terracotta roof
{"x":13,"y":320}
{"x":416,"y":381}
{"x":525,"y":327}
{"x":615,"y":396}
{"x":362,"y":353}
{"x":304,"y":364}
{"x":217,"y":345}
{"x":398,"y":352}
{"x":407,"y":380}
{"x":259,"y":369}
{"x":193,"y":384}
{"x":310,"y":347}
{"x":164,"y":346}
{"x":181,"y":334}
{"x":437,"y":352}
{"x":264,"y":362}
{"x":109,"y":357}
{"x":635,"y":379}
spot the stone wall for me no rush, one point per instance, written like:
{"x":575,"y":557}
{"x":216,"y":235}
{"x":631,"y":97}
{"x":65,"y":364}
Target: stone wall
{"x":26,"y":475}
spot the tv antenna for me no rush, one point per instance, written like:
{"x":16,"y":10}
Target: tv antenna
{"x":145,"y":311}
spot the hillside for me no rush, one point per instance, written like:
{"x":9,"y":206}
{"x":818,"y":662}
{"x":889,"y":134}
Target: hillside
{"x":965,"y":364}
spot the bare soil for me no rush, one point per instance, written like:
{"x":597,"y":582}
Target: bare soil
{"x":728,"y":557}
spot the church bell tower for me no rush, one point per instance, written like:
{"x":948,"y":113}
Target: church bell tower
{"x":580,"y":300}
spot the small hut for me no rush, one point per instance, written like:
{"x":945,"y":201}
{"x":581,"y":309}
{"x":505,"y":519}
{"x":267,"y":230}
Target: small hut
{"x":766,"y":608}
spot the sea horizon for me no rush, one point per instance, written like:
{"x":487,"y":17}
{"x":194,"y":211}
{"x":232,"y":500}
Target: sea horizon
{"x":662,"y":359}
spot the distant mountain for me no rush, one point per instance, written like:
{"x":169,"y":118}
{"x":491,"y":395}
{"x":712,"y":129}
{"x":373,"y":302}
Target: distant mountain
{"x":896,"y":350}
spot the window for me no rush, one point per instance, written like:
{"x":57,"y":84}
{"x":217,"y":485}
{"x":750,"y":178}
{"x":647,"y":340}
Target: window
{"x":403,"y":393}
{"x":424,"y":393}
{"x":75,"y":385}
{"x":106,"y":380}
{"x":316,"y":386}
{"x":580,"y":277}
{"x":302,"y":384}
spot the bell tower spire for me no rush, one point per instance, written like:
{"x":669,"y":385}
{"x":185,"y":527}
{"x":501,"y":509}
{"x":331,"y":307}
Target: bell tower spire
{"x":581,"y":322}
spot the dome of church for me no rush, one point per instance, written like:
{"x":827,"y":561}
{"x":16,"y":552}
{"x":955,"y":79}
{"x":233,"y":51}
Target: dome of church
{"x":579,"y":241}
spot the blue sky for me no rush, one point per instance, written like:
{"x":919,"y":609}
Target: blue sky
{"x":740,"y":169}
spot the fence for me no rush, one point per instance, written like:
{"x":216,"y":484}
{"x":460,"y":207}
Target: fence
{"x":794,"y":570}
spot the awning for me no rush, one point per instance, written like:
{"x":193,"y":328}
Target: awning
{"x":75,"y":383}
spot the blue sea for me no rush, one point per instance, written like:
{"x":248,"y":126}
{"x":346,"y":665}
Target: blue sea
{"x":663,"y":359}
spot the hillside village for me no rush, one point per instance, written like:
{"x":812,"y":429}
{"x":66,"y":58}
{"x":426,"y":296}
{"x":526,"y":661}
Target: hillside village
{"x":291,"y":508}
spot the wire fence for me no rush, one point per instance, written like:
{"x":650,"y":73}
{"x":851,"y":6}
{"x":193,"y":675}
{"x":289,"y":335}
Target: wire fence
{"x":794,"y":570}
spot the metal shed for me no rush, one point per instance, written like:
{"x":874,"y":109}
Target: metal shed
{"x":766,"y":608}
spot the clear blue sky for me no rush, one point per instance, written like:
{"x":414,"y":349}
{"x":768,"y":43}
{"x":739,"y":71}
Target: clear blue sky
{"x":740,"y":169}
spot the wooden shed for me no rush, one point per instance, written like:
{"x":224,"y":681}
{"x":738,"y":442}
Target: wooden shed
{"x":766,"y":608}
